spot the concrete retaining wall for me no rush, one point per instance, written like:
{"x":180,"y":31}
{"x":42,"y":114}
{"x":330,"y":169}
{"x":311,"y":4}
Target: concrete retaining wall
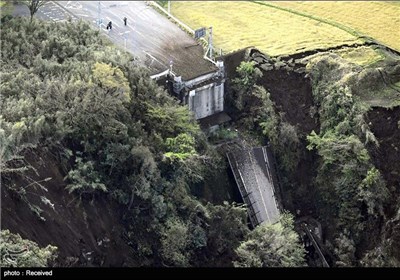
{"x":207,"y":100}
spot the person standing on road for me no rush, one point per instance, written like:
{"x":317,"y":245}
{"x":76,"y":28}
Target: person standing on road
{"x":125,"y":19}
{"x":109,"y":25}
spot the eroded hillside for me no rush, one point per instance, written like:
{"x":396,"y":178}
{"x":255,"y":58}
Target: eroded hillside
{"x":346,"y":117}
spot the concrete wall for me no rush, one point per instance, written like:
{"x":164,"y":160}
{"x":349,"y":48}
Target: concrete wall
{"x":200,"y":79}
{"x":207,"y":100}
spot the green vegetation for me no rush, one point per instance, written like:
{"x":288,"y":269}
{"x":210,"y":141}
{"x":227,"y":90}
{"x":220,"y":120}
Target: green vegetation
{"x":116,"y":134}
{"x":222,"y":134}
{"x":352,"y":193}
{"x":348,"y":192}
{"x":180,"y":147}
{"x":18,"y":252}
{"x":275,"y":245}
{"x":6,"y":8}
{"x":162,"y":3}
{"x":33,"y":6}
{"x":371,"y":79}
{"x":363,"y":56}
{"x":257,"y":113}
{"x":68,"y":94}
{"x":84,"y":178}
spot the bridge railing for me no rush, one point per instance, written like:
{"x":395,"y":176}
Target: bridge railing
{"x":242,"y":189}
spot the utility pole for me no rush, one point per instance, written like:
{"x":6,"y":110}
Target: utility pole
{"x":99,"y":22}
{"x":210,"y":43}
{"x":125,"y":36}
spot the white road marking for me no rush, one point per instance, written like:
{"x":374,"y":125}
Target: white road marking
{"x":258,"y":184}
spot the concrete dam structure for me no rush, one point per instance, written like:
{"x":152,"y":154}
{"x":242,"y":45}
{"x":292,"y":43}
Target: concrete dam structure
{"x":194,"y":76}
{"x":202,"y":92}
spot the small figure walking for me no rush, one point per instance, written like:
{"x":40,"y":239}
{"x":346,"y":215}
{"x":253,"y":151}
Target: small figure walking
{"x":125,"y":19}
{"x":109,"y":25}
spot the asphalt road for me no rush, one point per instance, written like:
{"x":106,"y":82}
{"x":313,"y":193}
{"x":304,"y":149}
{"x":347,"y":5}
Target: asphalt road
{"x":253,"y":169}
{"x":49,"y":12}
{"x":149,"y":36}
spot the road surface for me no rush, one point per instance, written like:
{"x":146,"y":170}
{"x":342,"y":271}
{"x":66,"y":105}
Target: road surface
{"x":151,"y":37}
{"x":253,"y":173}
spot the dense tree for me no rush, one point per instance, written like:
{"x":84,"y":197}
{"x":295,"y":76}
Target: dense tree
{"x":174,"y":242}
{"x":272,"y":245}
{"x":245,"y":83}
{"x":258,"y":113}
{"x":117,"y":135}
{"x":18,"y":252}
{"x":6,"y":8}
{"x":228,"y":227}
{"x":33,"y":6}
{"x":352,"y":192}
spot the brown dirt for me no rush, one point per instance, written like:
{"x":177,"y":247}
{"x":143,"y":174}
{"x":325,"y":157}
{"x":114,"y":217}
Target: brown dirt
{"x":291,"y":90}
{"x":385,"y":126}
{"x":292,"y":93}
{"x":75,"y":227}
{"x":187,"y":57}
{"x":231,"y":62}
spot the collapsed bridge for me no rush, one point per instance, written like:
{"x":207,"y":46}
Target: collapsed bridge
{"x":253,"y":170}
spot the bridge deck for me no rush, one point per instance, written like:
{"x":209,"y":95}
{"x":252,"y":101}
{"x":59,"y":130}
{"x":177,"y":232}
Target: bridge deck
{"x":252,"y":172}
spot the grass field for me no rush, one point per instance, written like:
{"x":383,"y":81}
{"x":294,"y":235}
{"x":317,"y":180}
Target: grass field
{"x":239,"y":24}
{"x":288,"y":27}
{"x":362,"y":56}
{"x":379,"y":20}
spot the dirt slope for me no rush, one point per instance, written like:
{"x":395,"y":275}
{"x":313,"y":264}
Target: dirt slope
{"x":385,"y":124}
{"x":87,"y":233}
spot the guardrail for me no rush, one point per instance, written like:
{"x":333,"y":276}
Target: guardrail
{"x":242,"y":188}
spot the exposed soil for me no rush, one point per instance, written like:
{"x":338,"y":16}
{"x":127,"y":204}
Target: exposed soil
{"x":291,"y":90}
{"x":315,"y":51}
{"x":185,"y":55}
{"x":87,"y":232}
{"x":385,"y":126}
{"x":292,"y":94}
{"x":231,"y":62}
